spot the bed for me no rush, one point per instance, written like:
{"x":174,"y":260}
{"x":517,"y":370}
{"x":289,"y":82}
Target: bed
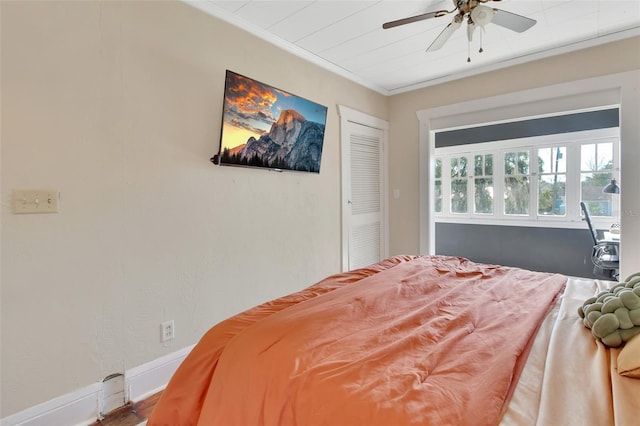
{"x":425,"y":340}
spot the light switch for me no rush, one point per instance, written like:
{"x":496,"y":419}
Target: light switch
{"x":35,"y":201}
{"x":396,"y":193}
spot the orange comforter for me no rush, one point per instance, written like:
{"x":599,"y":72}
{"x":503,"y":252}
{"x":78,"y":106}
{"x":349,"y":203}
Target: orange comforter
{"x":411,"y":340}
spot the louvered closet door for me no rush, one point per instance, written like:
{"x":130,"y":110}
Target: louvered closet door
{"x":365,"y":195}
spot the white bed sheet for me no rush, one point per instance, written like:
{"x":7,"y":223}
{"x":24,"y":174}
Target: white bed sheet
{"x":570,"y":378}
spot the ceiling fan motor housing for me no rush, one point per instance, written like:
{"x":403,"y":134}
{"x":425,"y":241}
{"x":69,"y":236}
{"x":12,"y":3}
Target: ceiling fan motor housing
{"x":465,"y":6}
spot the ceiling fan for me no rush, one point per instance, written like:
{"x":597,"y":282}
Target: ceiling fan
{"x":476,"y":15}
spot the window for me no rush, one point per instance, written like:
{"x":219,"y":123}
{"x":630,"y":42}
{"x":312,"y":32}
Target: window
{"x":596,"y":170}
{"x":537,"y":180}
{"x":438,"y":185}
{"x":552,"y":181}
{"x":459,"y":185}
{"x":483,"y":184}
{"x":517,"y":179}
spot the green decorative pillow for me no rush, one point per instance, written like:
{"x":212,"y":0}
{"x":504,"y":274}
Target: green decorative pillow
{"x":629,"y":359}
{"x":614,"y":315}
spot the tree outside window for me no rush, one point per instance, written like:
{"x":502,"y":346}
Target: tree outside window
{"x":552,"y":181}
{"x":516,"y":183}
{"x":596,"y":171}
{"x":459,"y":185}
{"x":483,"y":183}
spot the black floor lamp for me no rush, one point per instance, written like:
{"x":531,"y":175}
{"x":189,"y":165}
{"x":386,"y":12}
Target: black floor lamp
{"x":611,"y":188}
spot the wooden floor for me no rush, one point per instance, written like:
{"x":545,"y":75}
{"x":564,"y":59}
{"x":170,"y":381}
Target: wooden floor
{"x":130,"y":414}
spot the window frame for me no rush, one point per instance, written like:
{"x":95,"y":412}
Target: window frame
{"x":571,"y":141}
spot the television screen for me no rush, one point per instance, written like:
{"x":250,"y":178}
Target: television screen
{"x":263,"y":126}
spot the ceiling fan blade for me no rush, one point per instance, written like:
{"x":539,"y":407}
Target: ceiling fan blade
{"x":445,"y":34}
{"x":416,"y":18}
{"x":512,"y":21}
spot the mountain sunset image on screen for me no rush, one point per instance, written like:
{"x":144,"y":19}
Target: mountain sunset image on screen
{"x":267,"y":127}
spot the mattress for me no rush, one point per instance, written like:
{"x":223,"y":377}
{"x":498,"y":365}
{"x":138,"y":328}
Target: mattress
{"x":570,"y":378}
{"x":409,"y":340}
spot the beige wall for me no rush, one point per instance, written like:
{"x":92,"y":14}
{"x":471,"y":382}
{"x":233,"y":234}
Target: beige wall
{"x":618,"y":57}
{"x":118,"y":106}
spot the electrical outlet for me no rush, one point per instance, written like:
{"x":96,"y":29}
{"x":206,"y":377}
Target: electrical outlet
{"x":167,"y":331}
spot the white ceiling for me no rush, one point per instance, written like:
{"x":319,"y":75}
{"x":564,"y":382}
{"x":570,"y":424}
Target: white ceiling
{"x":347,"y":38}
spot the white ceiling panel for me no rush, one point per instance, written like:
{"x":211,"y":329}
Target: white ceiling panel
{"x":587,"y":11}
{"x":347,"y":37}
{"x":351,"y":26}
{"x":315,"y":18}
{"x":412,"y":46}
{"x":231,"y":6}
{"x":267,"y":13}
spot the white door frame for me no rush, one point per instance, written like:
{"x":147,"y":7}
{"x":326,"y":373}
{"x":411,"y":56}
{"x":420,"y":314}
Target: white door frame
{"x":350,"y":115}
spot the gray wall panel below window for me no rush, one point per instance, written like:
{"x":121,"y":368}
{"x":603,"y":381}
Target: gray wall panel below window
{"x":564,"y":251}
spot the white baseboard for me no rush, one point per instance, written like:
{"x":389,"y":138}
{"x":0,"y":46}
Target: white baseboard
{"x":152,"y":377}
{"x":82,"y":407}
{"x":76,"y":408}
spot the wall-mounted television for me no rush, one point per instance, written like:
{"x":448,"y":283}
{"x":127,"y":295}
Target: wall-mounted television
{"x":263,"y":126}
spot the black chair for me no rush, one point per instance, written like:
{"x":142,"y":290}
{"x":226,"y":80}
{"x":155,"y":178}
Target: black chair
{"x":605,"y":255}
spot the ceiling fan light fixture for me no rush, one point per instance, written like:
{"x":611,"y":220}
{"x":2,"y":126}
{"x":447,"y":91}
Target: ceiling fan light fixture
{"x":475,"y":13}
{"x":482,"y":15}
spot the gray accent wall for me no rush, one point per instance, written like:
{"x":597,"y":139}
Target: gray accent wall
{"x":564,"y":251}
{"x":567,"y":123}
